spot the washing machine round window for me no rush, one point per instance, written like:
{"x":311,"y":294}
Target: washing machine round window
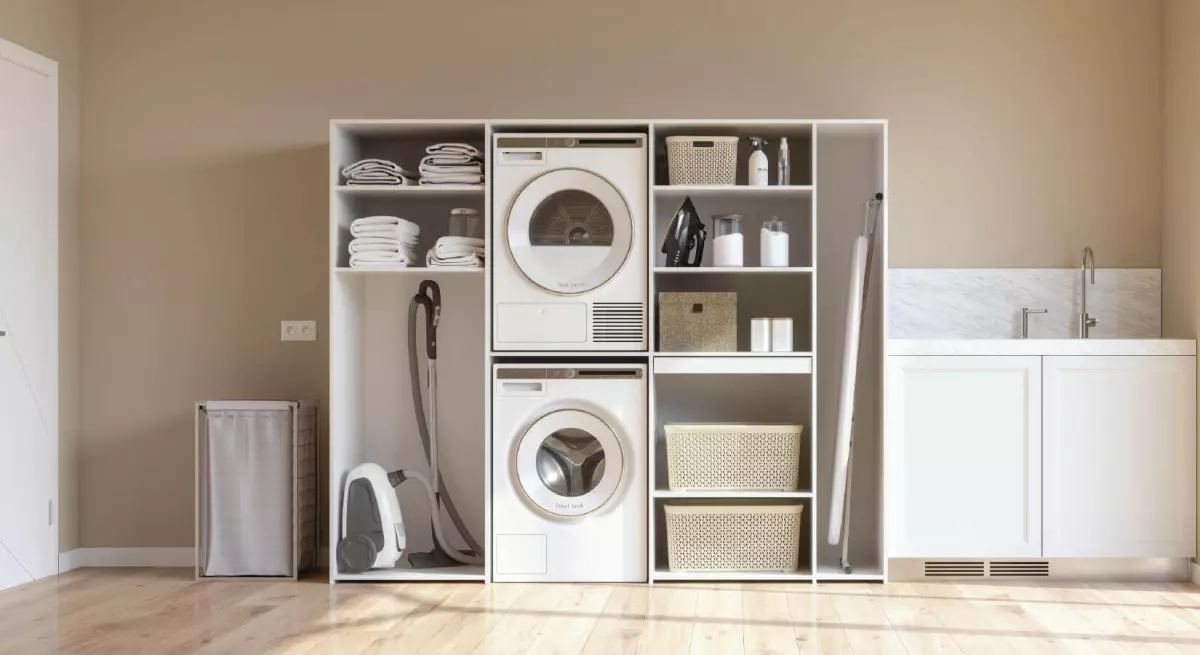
{"x":569,"y":231}
{"x":569,"y":463}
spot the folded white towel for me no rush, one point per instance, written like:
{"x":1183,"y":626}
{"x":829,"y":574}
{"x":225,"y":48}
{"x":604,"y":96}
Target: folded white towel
{"x":384,"y":226}
{"x":366,"y":169}
{"x":380,"y":260}
{"x":433,"y":170}
{"x":450,"y":160}
{"x":454,"y":148}
{"x":442,"y":178}
{"x":460,"y":261}
{"x":384,"y":181}
{"x":447,"y":247}
{"x":380,"y":244}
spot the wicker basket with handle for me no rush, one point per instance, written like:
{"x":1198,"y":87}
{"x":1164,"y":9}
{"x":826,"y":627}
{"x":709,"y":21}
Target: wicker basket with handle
{"x":691,"y":321}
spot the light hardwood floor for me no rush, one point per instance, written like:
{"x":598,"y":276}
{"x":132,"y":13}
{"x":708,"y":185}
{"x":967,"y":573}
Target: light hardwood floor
{"x":163,"y":611}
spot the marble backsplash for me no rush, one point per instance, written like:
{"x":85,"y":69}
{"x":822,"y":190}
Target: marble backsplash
{"x":986,"y":303}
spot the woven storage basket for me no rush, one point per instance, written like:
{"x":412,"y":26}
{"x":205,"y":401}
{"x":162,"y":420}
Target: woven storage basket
{"x":702,"y":159}
{"x":733,"y":537}
{"x":697,"y":321}
{"x":728,"y":456}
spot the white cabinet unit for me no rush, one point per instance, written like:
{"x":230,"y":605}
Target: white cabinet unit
{"x":964,"y":450}
{"x":1120,"y":456}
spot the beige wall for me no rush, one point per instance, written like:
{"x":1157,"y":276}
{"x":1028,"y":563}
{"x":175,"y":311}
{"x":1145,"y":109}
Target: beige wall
{"x":1020,"y":131}
{"x":51,"y":28}
{"x":1181,"y":154}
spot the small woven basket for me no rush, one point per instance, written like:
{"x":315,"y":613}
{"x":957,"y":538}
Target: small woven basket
{"x":702,"y":159}
{"x":690,"y":321}
{"x":720,"y":456}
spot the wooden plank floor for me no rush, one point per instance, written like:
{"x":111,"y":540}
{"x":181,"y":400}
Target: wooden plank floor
{"x":163,"y":611}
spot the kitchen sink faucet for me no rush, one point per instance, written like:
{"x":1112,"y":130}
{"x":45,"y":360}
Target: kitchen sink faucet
{"x":1089,"y":264}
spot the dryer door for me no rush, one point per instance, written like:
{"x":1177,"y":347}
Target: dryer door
{"x":569,"y":231}
{"x":569,"y":463}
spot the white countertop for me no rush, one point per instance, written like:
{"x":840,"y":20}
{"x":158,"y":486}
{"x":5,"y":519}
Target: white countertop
{"x":1041,"y":347}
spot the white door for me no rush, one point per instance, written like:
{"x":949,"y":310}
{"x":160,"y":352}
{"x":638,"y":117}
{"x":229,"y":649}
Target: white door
{"x":1120,"y":456}
{"x":569,"y":463}
{"x":964,"y":457}
{"x":28,"y":316}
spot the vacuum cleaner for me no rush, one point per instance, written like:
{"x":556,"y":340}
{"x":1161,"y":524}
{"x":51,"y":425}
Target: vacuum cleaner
{"x":372,"y":528}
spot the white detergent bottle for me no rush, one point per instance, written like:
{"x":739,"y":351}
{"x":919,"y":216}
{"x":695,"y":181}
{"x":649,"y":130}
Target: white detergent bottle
{"x":757,"y":173}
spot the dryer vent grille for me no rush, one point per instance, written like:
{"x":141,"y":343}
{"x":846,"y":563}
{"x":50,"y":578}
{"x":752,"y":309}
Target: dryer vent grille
{"x":618,"y":322}
{"x":1019,"y":569}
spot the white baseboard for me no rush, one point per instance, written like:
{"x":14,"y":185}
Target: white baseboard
{"x":1195,"y":572}
{"x":168,"y":557}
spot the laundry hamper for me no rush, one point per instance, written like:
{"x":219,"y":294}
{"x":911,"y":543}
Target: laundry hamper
{"x":256,"y":488}
{"x":727,"y":456}
{"x":733,"y":537}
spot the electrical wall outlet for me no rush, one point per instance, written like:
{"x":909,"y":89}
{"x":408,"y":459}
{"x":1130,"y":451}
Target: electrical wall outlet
{"x":298,"y":331}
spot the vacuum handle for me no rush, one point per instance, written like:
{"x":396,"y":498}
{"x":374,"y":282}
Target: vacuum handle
{"x":430,"y":325}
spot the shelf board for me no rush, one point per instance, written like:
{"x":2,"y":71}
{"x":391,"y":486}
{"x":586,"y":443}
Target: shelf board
{"x":795,"y":364}
{"x":731,"y":495}
{"x":739,"y":354}
{"x":389,"y":191}
{"x":725,"y":270}
{"x":411,"y":270}
{"x":665,"y":575}
{"x":742,"y":191}
{"x":462,"y":573}
{"x":858,"y":574}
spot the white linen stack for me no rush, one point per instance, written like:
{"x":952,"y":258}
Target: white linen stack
{"x":367,"y":172}
{"x":452,"y":163}
{"x":461,"y":252}
{"x":383,"y":242}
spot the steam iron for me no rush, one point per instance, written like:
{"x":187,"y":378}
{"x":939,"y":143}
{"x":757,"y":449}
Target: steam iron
{"x":684,"y":241}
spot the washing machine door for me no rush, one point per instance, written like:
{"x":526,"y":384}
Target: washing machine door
{"x":569,"y":231}
{"x":569,"y":463}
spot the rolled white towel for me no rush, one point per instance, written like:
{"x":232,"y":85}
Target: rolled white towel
{"x":465,"y":180}
{"x":384,"y":226}
{"x":454,"y":148}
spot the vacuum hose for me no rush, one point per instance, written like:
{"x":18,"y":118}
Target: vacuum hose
{"x":429,"y":297}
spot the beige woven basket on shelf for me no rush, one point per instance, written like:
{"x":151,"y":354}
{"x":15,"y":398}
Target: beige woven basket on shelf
{"x":706,"y":456}
{"x":697,"y":321}
{"x":733,"y":537}
{"x":702,"y":160}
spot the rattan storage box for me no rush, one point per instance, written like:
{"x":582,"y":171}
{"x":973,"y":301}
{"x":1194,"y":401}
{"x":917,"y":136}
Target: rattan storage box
{"x":733,"y":537}
{"x":727,"y":456}
{"x":697,"y":321}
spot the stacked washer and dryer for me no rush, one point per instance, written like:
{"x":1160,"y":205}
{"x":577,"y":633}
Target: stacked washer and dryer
{"x":570,"y":444}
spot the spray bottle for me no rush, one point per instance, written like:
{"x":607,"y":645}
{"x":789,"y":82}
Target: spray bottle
{"x":785,"y":164}
{"x":757,"y":173}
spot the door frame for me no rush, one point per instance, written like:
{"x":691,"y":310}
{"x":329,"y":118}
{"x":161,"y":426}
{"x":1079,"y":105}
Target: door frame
{"x":25,"y":58}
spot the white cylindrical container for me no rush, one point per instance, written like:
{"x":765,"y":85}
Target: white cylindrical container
{"x":760,"y":335}
{"x":728,"y":245}
{"x":773,"y":243}
{"x":781,"y":335}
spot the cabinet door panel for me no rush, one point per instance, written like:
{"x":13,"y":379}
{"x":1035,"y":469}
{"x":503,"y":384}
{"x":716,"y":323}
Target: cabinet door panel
{"x":964,"y":456}
{"x":1120,"y":456}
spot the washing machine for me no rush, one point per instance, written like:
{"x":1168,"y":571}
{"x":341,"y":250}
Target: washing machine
{"x":570,"y":267}
{"x":569,"y":476}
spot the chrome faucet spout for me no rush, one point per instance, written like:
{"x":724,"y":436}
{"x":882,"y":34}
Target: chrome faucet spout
{"x":1086,"y":322}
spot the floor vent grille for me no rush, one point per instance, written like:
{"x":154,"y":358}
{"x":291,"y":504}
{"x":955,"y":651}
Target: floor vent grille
{"x":618,"y":322}
{"x":954,"y":569}
{"x":1026,"y":569}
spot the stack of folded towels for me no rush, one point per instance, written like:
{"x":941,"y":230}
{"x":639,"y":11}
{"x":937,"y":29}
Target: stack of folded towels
{"x":462,"y":252}
{"x":383,"y":242}
{"x":452,"y":163}
{"x":378,"y":171}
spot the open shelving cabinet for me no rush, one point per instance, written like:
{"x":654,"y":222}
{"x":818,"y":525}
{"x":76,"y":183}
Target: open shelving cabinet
{"x":837,"y":166}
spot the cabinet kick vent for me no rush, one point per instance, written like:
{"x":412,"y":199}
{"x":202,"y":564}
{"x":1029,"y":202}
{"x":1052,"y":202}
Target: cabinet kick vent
{"x":618,"y":322}
{"x":954,"y":569}
{"x":1027,"y":569}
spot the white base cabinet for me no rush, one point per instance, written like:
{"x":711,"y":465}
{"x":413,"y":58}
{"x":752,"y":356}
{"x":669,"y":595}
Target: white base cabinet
{"x":1041,"y":456}
{"x":1120,"y":457}
{"x":965,"y":449}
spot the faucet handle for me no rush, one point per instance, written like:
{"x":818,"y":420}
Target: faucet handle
{"x":1025,"y":312}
